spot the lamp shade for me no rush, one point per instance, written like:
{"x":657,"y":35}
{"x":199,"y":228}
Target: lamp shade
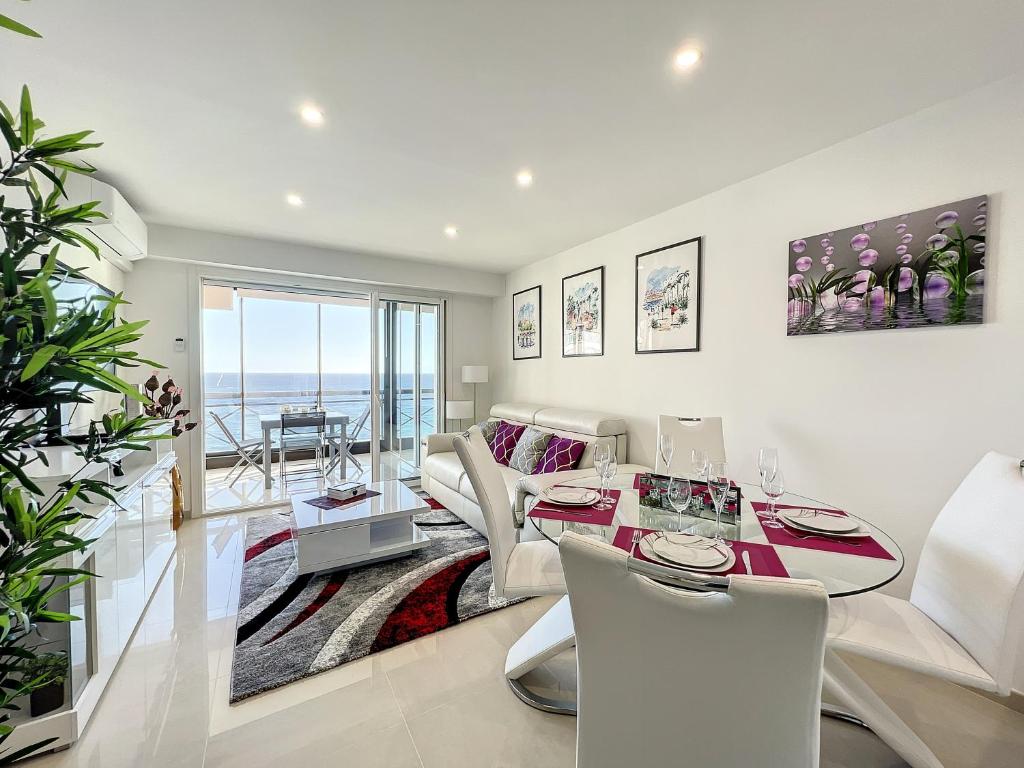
{"x":474,"y":374}
{"x":458,"y":409}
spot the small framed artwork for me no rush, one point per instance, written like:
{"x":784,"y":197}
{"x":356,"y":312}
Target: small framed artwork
{"x":583,"y":313}
{"x":668,"y":293}
{"x":526,"y":324}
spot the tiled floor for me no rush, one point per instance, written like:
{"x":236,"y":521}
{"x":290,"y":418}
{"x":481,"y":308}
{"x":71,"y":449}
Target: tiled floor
{"x":438,"y":701}
{"x":248,"y":489}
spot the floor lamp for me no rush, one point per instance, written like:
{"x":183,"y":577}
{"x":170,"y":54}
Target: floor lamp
{"x":457,"y":410}
{"x":474,"y":374}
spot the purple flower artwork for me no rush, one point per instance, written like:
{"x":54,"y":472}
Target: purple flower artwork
{"x":909,"y":271}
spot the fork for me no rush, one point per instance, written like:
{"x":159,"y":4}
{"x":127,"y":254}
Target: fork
{"x":637,"y":535}
{"x":824,"y":538}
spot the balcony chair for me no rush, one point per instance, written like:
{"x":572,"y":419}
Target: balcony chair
{"x":249,"y":452}
{"x":303,"y":432}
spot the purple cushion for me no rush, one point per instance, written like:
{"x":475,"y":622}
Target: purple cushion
{"x":562,"y":453}
{"x":504,"y":443}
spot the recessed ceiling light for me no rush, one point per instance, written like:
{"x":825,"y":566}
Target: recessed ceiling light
{"x":451,"y":231}
{"x":524,"y":178}
{"x":687,"y":58}
{"x":294,"y":200}
{"x":312,"y":114}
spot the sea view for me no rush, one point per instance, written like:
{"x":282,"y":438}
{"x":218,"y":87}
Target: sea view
{"x":267,"y":393}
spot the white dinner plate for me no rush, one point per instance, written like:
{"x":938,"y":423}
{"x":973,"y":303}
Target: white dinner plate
{"x":571,"y":496}
{"x":862,"y":531}
{"x":695,"y":552}
{"x":814,"y":520}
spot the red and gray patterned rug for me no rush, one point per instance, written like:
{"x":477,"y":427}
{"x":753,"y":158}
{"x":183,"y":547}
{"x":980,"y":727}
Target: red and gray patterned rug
{"x":290,"y":627}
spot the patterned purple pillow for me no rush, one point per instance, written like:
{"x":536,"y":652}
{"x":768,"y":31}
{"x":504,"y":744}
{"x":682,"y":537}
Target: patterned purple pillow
{"x":504,"y":443}
{"x":562,"y":453}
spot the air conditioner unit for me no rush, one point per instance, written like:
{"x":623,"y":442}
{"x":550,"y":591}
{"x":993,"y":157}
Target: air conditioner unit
{"x":122,"y":236}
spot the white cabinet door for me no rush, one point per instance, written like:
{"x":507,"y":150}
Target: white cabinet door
{"x":131,"y":576}
{"x":158,"y":537}
{"x":105,"y":589}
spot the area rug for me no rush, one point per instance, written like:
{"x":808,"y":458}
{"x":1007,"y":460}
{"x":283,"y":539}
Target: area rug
{"x":290,"y":627}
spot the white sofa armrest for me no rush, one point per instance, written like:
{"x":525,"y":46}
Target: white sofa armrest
{"x":441,"y":442}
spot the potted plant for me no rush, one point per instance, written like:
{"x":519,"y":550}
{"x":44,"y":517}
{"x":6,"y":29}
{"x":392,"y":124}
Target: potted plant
{"x":165,"y":405}
{"x":47,"y":672}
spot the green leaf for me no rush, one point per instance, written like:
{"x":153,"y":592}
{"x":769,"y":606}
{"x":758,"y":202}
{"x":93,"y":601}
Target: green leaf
{"x":38,"y":360}
{"x":28,"y":128}
{"x":9,"y":23}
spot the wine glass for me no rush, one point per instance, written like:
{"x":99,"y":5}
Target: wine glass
{"x":767,"y":462}
{"x":608,"y":471}
{"x":666,"y":447}
{"x":773,"y":488}
{"x":679,"y":492}
{"x":718,"y":483}
{"x":602,"y":454}
{"x":699,"y":461}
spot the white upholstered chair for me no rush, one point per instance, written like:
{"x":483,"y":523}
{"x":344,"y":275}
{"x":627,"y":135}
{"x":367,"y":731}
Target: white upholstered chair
{"x":965,"y":616}
{"x":520,"y":569}
{"x":689,"y":433}
{"x":672,"y":677}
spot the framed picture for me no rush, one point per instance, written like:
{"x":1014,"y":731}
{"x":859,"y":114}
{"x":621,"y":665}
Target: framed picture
{"x":583,"y":313}
{"x":915,"y":270}
{"x":668,"y":288}
{"x":526,"y":338}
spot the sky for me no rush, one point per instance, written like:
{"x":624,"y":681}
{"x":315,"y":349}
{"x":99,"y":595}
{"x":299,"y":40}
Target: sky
{"x":280,"y":336}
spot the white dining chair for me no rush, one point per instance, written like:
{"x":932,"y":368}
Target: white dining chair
{"x":249,"y":452}
{"x":965,"y":616}
{"x":688,"y":433}
{"x":725,"y":673}
{"x":519,"y":569}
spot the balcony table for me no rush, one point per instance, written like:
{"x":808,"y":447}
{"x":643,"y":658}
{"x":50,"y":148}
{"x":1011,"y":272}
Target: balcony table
{"x":337,"y":429}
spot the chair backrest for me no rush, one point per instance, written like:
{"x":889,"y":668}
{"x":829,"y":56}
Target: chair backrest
{"x":492,"y":495}
{"x":689,"y":433}
{"x":723,"y":678}
{"x":970,"y":579}
{"x":353,"y":434}
{"x":303,"y":423}
{"x":226,"y":430}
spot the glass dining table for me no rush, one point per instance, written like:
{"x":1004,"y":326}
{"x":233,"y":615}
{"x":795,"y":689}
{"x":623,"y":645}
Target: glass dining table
{"x":842,"y":573}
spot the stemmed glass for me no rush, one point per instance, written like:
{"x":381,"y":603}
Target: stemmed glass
{"x":773,"y":486}
{"x":610,"y":469}
{"x":718,"y":483}
{"x":666,"y":447}
{"x":602,"y":455}
{"x":767,"y":462}
{"x":699,"y":461}
{"x":679,"y":492}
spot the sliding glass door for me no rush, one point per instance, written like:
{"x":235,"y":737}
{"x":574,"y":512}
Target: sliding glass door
{"x":266,"y":350}
{"x":411,"y":389}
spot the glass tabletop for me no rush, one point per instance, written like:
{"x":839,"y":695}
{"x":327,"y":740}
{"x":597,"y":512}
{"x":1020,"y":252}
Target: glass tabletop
{"x":842,"y":574}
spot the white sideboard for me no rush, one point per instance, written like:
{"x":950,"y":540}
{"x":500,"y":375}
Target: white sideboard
{"x":132,"y":543}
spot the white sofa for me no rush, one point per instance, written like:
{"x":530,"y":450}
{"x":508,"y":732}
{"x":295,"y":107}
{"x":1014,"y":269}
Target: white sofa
{"x":443,"y":477}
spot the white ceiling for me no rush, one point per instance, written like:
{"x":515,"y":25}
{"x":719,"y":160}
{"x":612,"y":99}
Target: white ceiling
{"x":433,"y":106}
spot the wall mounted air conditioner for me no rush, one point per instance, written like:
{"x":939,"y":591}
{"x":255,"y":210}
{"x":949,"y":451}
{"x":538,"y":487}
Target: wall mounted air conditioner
{"x":122,"y":236}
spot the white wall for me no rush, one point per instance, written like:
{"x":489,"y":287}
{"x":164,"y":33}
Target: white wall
{"x":910,"y":410}
{"x":165,"y":292}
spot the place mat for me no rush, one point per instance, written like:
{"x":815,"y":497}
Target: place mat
{"x":579,"y":514}
{"x":329,"y":502}
{"x":863,"y":546}
{"x":764,"y":560}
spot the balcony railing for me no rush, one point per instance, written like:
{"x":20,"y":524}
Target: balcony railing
{"x":243,"y":418}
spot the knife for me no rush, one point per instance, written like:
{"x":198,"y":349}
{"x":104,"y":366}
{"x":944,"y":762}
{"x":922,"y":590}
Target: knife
{"x":746,"y":562}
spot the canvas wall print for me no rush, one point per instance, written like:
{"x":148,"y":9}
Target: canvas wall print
{"x":526,"y":324}
{"x":919,"y":269}
{"x":667,"y":298}
{"x":583,"y":313}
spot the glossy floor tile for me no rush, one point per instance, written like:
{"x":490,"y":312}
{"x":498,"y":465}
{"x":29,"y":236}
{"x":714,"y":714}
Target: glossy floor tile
{"x":224,"y":493}
{"x":438,"y":701}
